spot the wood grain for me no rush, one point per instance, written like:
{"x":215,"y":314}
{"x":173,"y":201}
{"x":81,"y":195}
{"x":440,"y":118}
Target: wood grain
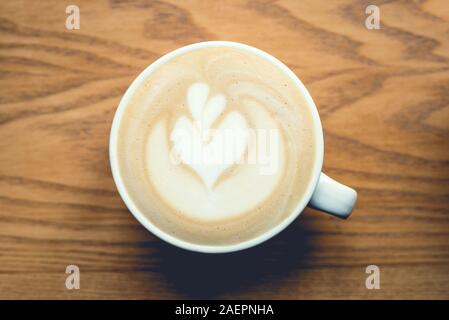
{"x":383,"y":96}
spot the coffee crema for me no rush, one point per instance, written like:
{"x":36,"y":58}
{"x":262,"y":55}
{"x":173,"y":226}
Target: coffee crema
{"x":216,"y":146}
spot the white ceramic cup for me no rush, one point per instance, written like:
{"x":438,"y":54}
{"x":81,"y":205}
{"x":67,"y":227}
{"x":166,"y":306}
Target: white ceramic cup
{"x":322,"y":192}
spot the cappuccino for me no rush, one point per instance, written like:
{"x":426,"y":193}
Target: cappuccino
{"x":216,"y":146}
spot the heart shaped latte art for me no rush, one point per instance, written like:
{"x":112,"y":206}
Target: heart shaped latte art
{"x":209,"y":152}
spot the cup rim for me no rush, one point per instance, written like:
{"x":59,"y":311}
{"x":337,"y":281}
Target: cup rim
{"x":204,"y":248}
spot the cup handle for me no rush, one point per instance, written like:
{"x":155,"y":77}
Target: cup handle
{"x":333,"y":197}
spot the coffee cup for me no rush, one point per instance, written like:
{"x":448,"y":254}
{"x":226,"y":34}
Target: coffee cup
{"x":183,"y":106}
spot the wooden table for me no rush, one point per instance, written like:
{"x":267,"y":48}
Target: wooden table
{"x":383,"y":96}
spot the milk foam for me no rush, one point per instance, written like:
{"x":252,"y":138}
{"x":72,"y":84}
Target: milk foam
{"x":217,"y":146}
{"x":174,"y":181}
{"x":193,"y":143}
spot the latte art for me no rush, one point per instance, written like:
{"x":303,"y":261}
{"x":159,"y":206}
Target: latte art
{"x":217,"y":146}
{"x":192,"y":139}
{"x":210,"y":156}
